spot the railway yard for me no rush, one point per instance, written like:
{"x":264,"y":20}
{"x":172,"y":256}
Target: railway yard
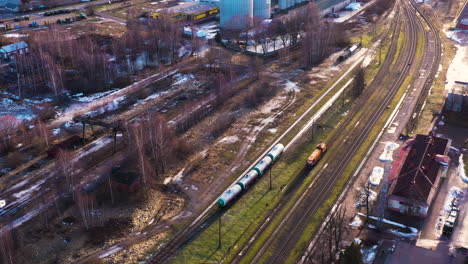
{"x":205,"y":155}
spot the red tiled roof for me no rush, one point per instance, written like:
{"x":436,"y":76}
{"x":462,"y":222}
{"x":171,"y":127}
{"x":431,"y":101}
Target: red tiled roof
{"x":419,"y":172}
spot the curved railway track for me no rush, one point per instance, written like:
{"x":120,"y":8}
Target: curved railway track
{"x":284,"y":238}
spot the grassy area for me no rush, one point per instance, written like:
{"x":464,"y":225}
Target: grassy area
{"x":244,"y":217}
{"x":246,"y":214}
{"x":340,"y":184}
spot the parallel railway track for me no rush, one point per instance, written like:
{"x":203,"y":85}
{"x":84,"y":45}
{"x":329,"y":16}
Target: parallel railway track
{"x":284,"y":238}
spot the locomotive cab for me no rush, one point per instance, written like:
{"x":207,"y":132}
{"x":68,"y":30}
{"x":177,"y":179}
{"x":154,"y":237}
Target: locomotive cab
{"x":317,"y":154}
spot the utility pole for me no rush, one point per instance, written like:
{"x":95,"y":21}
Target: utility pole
{"x":219,"y":232}
{"x":271,"y":188}
{"x":380,"y":53}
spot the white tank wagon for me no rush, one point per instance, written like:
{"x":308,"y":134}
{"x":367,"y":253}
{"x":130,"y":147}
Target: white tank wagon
{"x":249,"y":178}
{"x":236,"y":14}
{"x":276,"y":152}
{"x":262,"y":9}
{"x":263,"y":165}
{"x":229,"y":195}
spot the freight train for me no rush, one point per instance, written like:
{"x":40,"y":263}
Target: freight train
{"x":348,"y":52}
{"x":250,"y":177}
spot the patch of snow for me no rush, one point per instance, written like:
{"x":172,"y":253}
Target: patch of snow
{"x":357,"y":240}
{"x":273,"y":130}
{"x":291,"y":86}
{"x":2,"y":203}
{"x":181,"y":78}
{"x":90,"y":98}
{"x":356,"y":221}
{"x":15,"y":35}
{"x":229,"y":140}
{"x":112,"y":250}
{"x":457,"y":35}
{"x":21,"y":110}
{"x":461,"y":169}
{"x":376,"y":176}
{"x":368,"y":254}
{"x":388,"y":151}
{"x":193,"y":187}
{"x":56,"y":131}
{"x":176,"y":179}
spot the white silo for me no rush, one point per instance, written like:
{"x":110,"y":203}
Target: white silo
{"x":262,"y":9}
{"x":236,"y":14}
{"x":283,"y":4}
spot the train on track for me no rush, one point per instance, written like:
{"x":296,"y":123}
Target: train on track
{"x":348,"y":52}
{"x":250,"y":177}
{"x":320,"y":149}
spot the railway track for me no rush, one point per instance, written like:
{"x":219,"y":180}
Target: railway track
{"x":27,"y":188}
{"x":284,"y":238}
{"x":202,"y":220}
{"x":434,"y":35}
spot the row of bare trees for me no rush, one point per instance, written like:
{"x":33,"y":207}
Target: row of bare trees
{"x":305,"y":24}
{"x":59,"y":61}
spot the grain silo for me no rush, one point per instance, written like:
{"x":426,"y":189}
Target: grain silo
{"x":262,"y":9}
{"x":236,"y":14}
{"x":283,"y":4}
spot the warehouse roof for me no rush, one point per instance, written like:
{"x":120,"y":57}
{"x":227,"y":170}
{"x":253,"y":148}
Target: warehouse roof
{"x":187,"y":8}
{"x":14,"y":47}
{"x":419,"y":172}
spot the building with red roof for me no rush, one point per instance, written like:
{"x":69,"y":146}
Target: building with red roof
{"x":416,"y":174}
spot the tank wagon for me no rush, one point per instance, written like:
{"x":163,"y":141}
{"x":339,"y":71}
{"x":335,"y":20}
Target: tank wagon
{"x":348,"y":52}
{"x":253,"y":174}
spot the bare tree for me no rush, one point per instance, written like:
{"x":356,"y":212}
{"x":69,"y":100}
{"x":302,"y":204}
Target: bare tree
{"x":359,"y":83}
{"x":7,"y":247}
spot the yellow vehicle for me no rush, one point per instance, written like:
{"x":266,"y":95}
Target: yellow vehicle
{"x":317,"y":154}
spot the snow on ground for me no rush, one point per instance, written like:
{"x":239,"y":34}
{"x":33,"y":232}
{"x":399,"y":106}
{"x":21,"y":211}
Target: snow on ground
{"x":272,"y":105}
{"x":98,"y":144}
{"x":21,"y":110}
{"x":458,"y":35}
{"x":112,"y":250}
{"x":362,"y":197}
{"x":461,"y":169}
{"x":458,"y":68}
{"x":357,"y":221}
{"x":229,"y":140}
{"x":273,"y":130}
{"x":181,"y":78}
{"x":176,"y":178}
{"x":291,"y":86}
{"x":369,"y":253}
{"x":90,"y":98}
{"x":376,"y":176}
{"x":111,"y":106}
{"x":388,"y":151}
{"x":15,"y":35}
{"x":413,"y":234}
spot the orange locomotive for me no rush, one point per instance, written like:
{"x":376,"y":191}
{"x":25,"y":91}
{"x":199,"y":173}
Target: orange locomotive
{"x":317,"y":154}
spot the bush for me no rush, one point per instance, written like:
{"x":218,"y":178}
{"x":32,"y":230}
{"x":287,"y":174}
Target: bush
{"x":221,"y":124}
{"x":259,"y":94}
{"x":14,"y":159}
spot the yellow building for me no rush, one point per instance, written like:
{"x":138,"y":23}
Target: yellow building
{"x":187,"y":11}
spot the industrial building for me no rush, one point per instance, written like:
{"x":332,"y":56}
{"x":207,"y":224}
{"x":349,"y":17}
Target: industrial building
{"x":8,"y":52}
{"x":416,"y":174}
{"x":188,"y":11}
